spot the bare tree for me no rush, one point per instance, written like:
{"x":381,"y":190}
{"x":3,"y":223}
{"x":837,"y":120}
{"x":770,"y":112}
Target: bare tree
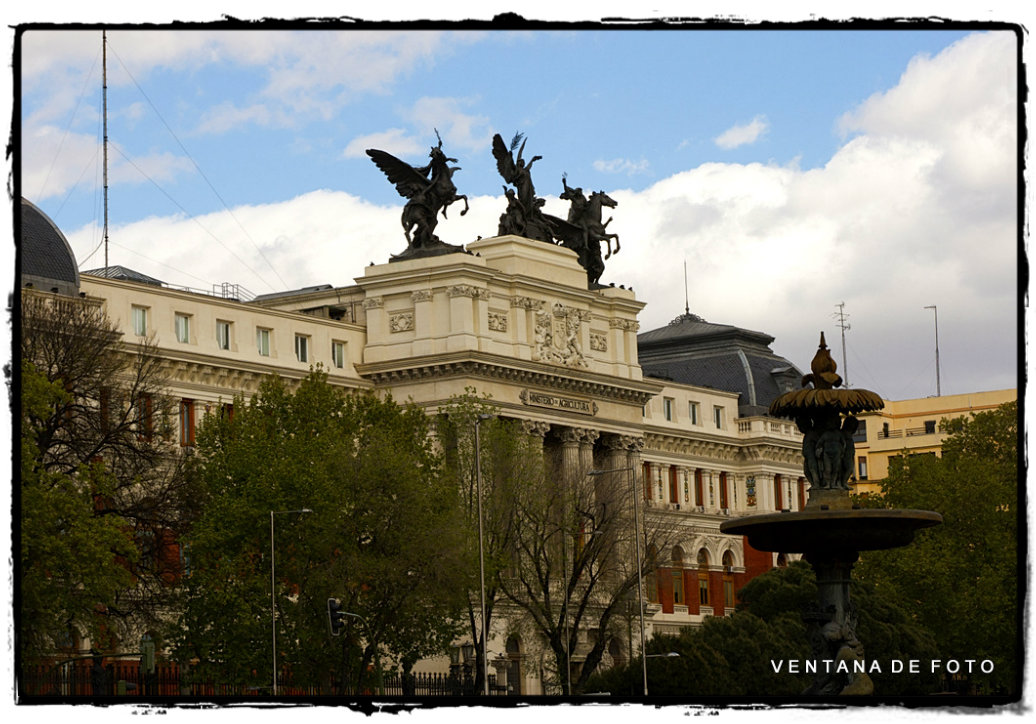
{"x":573,"y":567}
{"x":115,"y":415}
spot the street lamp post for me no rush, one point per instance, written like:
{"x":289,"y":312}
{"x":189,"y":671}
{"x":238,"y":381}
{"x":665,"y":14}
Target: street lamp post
{"x":273,"y":591}
{"x":640,"y":568}
{"x":481,"y":555}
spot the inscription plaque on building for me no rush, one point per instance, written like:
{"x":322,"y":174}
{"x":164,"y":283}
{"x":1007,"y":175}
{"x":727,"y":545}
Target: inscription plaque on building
{"x":557,"y":402}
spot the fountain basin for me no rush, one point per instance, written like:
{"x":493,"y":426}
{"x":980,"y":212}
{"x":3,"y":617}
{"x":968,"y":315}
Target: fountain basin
{"x":822,"y":530}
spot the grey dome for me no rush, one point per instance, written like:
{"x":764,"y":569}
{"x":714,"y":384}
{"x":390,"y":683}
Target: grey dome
{"x":691,"y":351}
{"x":45,"y":258}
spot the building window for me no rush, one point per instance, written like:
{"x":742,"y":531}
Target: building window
{"x":142,"y":417}
{"x":929,"y":427}
{"x":728,"y":592}
{"x":140,"y":321}
{"x":717,"y":414}
{"x":724,"y":501}
{"x":678,"y":588}
{"x":183,"y":328}
{"x":338,"y":354}
{"x":262,"y":341}
{"x":222,"y":334}
{"x":862,"y":466}
{"x":693,"y":411}
{"x":699,"y":498}
{"x":302,"y":348}
{"x":667,"y":409}
{"x":186,"y":422}
{"x":703,"y":577}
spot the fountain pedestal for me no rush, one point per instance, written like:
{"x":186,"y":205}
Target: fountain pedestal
{"x":830,"y":532}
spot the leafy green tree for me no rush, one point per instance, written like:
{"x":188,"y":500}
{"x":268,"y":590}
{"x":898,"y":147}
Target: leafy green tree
{"x":960,"y":579}
{"x":95,"y":424}
{"x":69,"y":568}
{"x":385,"y":536}
{"x":738,"y":655}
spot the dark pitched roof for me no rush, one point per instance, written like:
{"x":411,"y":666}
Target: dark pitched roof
{"x":124,"y":274}
{"x":45,"y":257}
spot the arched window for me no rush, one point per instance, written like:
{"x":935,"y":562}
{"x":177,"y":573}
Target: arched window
{"x":703,"y":577}
{"x":514,"y":666}
{"x":677,"y":573}
{"x":728,"y":579}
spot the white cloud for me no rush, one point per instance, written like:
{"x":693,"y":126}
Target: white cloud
{"x":622,"y":165}
{"x":917,"y":208}
{"x":742,"y":135}
{"x":393,"y":140}
{"x":457,"y":128}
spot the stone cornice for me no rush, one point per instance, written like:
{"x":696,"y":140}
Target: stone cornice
{"x":218,"y":373}
{"x":468,"y":364}
{"x":707,"y":448}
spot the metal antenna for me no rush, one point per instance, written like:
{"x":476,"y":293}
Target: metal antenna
{"x":686,"y":298}
{"x":842,"y":318}
{"x":104,"y":103}
{"x":938,"y":383}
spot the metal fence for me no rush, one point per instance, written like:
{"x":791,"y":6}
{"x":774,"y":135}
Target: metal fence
{"x":125,"y":679}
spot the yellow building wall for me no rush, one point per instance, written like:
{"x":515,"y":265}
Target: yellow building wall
{"x":913,"y":427}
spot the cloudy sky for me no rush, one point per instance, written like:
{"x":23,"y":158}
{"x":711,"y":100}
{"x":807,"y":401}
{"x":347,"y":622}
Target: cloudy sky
{"x":791,"y":171}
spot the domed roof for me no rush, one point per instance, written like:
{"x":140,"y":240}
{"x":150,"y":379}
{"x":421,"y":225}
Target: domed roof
{"x":692,"y":351}
{"x":45,"y":257}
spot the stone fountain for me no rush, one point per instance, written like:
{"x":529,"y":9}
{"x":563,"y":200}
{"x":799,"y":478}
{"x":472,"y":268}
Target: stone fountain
{"x":830,"y":531}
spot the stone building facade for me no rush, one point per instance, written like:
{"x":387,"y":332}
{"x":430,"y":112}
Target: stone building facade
{"x":512,"y":318}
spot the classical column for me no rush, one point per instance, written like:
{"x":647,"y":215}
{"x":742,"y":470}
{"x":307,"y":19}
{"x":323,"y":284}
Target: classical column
{"x":570,"y":438}
{"x":536,"y":432}
{"x":587,"y":438}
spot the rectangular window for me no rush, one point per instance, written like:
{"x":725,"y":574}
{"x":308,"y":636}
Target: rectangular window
{"x":693,"y":413}
{"x":338,"y":354}
{"x":728,"y":594}
{"x":667,"y":408}
{"x":140,"y":321}
{"x":703,"y":589}
{"x":262,"y":341}
{"x":186,"y":422}
{"x":302,"y":348}
{"x":183,"y":328}
{"x":142,"y":414}
{"x":222,"y":334}
{"x":929,"y":427}
{"x":862,"y":463}
{"x":678,"y":587}
{"x":717,"y":413}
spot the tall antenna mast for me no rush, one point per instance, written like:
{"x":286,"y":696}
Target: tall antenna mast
{"x":842,"y":318}
{"x":104,"y":113}
{"x":938,"y":382}
{"x":686,"y":298}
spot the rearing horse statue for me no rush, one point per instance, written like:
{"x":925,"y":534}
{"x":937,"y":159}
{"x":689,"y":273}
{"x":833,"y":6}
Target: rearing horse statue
{"x":583,"y":232}
{"x":428,"y":189}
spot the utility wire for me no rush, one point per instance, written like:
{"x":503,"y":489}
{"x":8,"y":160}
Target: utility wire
{"x":202,"y":174}
{"x":193,"y":218}
{"x":64,"y":136}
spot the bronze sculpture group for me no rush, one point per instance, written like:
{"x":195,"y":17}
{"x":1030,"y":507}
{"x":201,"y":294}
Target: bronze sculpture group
{"x":429,"y":190}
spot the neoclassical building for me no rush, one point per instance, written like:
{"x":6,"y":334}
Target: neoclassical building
{"x":683,"y":407}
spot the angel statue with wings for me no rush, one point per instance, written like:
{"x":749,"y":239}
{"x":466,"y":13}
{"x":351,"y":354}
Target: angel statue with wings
{"x":428,"y":189}
{"x":525,"y":215}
